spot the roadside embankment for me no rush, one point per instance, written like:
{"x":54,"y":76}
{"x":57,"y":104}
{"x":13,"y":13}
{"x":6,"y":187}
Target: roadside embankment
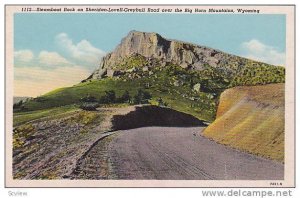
{"x":251,"y":119}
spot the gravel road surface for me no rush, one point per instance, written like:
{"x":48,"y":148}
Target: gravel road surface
{"x":174,"y":153}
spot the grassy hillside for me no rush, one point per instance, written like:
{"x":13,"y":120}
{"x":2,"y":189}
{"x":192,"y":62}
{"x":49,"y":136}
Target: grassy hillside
{"x":160,"y":84}
{"x":185,"y":90}
{"x":55,"y":112}
{"x":251,"y":119}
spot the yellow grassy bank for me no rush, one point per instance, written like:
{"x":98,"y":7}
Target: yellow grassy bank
{"x":251,"y":119}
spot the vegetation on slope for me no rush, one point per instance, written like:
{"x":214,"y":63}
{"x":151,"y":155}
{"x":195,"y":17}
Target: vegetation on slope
{"x":55,"y":112}
{"x":183,"y":89}
{"x":48,"y":148}
{"x":259,"y":75}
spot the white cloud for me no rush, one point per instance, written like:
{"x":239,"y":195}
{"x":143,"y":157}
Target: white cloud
{"x":256,"y":50}
{"x":38,"y":74}
{"x":52,"y":59}
{"x":34,"y":81}
{"x":23,"y":56}
{"x":82,"y":53}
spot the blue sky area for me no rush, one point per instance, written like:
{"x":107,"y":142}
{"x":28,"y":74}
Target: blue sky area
{"x":104,"y":31}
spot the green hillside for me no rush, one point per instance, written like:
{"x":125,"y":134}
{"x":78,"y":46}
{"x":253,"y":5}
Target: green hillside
{"x":185,"y":90}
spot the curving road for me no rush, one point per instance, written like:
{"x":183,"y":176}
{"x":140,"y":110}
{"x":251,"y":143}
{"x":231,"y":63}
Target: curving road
{"x":174,"y":153}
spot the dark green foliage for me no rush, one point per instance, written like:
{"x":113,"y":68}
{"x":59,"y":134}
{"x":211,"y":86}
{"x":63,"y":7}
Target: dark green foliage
{"x":125,"y":98}
{"x":259,"y":75}
{"x":136,"y":60}
{"x":141,"y":97}
{"x":18,"y":104}
{"x":89,"y":106}
{"x":211,"y":79}
{"x":109,"y":97}
{"x":89,"y":103}
{"x":161,"y":103}
{"x":88,"y":98}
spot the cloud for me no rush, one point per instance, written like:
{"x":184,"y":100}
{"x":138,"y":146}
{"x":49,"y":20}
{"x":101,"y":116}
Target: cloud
{"x":36,"y":74}
{"x":23,"y":56}
{"x":34,"y":81}
{"x":82,"y":53}
{"x":256,"y":50}
{"x":44,"y":59}
{"x":52,"y":59}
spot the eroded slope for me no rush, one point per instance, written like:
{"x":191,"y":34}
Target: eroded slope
{"x":251,"y":119}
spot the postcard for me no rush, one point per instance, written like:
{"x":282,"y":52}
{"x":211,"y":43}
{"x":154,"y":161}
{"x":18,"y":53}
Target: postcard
{"x":150,"y":96}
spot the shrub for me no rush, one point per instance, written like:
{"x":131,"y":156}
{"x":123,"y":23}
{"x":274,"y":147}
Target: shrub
{"x":18,"y":104}
{"x":109,"y":97}
{"x":161,"y":103}
{"x":89,"y":106}
{"x":259,"y":75}
{"x":125,"y":97}
{"x":141,"y":97}
{"x":88,"y":98}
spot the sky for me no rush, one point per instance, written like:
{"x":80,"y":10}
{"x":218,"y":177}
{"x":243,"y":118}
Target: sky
{"x":58,"y":50}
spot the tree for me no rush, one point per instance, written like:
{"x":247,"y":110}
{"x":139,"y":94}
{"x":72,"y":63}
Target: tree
{"x":18,"y":104}
{"x":125,"y":97}
{"x":161,"y":103}
{"x":89,"y":103}
{"x":88,"y":98}
{"x":141,"y":97}
{"x":89,"y":106}
{"x":109,"y":97}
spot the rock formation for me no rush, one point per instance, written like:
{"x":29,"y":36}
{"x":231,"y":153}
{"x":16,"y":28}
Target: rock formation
{"x":153,"y":46}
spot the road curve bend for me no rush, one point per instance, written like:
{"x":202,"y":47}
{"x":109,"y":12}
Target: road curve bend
{"x":175,"y":153}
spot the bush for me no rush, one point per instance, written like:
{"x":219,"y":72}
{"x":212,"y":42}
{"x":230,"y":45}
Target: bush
{"x":109,"y":97}
{"x":259,"y":75}
{"x":18,"y":104}
{"x":89,"y":106}
{"x":125,"y":97}
{"x":88,"y":98}
{"x":161,"y":103}
{"x":141,"y":97}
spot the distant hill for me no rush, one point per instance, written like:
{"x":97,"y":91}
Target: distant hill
{"x":251,"y":119}
{"x":19,"y":98}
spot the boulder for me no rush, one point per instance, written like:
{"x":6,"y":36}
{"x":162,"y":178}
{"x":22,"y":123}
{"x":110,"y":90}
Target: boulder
{"x":145,"y":69}
{"x":133,"y":69}
{"x":197,"y":87}
{"x":178,"y":83}
{"x":110,"y":73}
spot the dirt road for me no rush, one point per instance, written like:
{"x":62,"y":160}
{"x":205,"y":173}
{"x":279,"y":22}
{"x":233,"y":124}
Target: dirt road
{"x":174,"y":153}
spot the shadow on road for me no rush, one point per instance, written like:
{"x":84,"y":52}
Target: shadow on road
{"x":154,"y":116}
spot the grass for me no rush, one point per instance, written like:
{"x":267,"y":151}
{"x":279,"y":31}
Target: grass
{"x":24,"y":117}
{"x":84,"y":117}
{"x":21,"y":134}
{"x":159,"y":85}
{"x":251,"y":119}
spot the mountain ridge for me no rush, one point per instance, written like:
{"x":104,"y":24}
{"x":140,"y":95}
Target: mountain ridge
{"x":155,"y":48}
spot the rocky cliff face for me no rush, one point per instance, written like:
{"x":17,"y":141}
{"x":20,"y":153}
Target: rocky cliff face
{"x":153,"y":46}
